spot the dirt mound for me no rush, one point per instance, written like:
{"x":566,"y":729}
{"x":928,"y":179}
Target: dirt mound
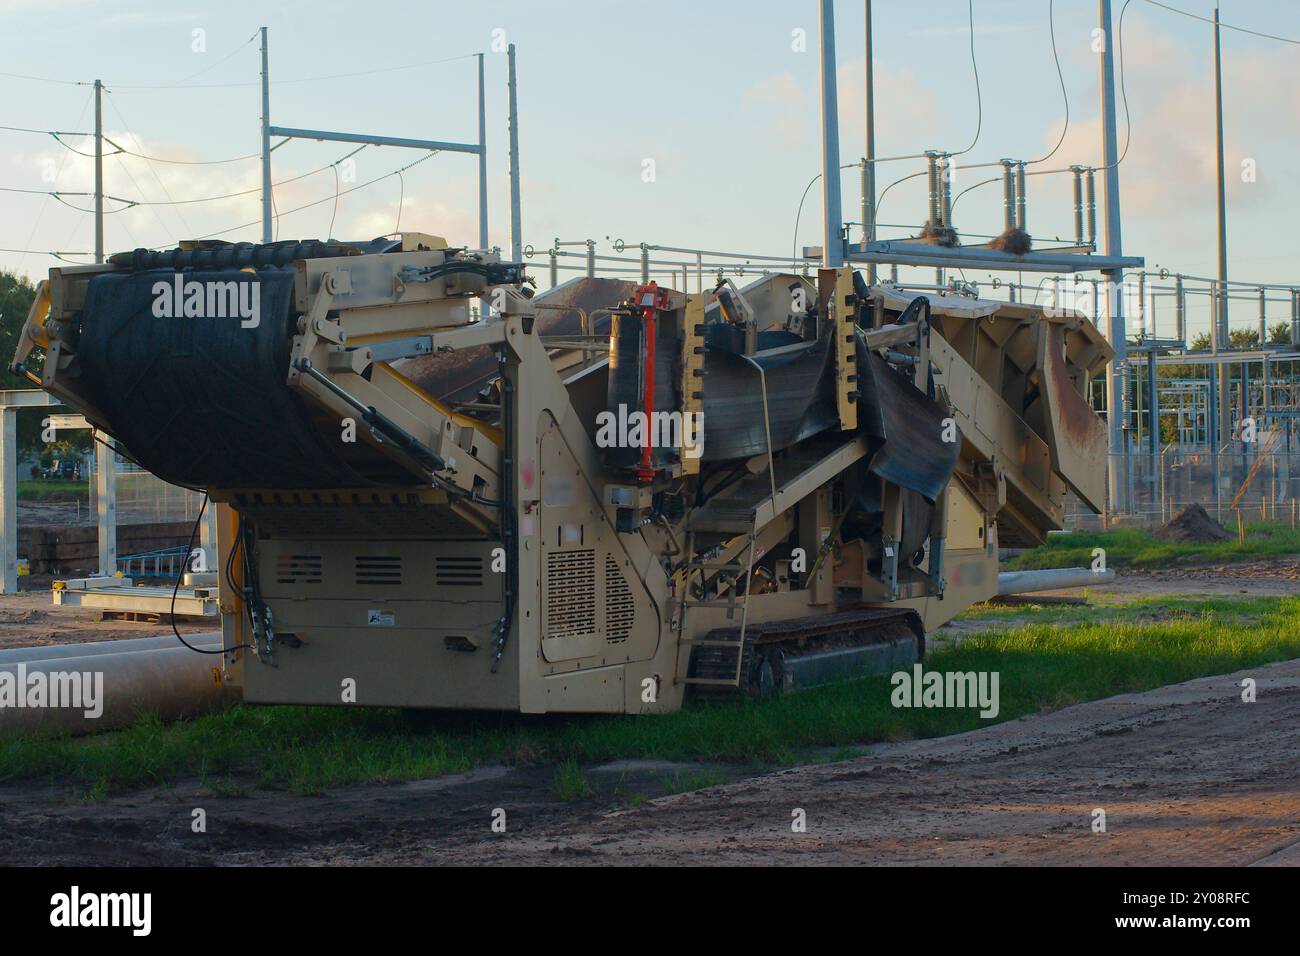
{"x":1193,"y":523}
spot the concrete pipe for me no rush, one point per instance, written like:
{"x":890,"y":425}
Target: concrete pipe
{"x":1054,"y":579}
{"x":92,"y":693}
{"x":43,"y":652}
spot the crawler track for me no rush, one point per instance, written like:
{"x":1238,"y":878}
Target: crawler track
{"x":807,"y":651}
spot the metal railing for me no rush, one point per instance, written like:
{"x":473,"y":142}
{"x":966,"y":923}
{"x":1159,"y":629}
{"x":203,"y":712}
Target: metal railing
{"x":163,"y":563}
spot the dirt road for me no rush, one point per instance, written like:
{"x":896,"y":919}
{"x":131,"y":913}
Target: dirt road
{"x":1187,"y":774}
{"x":1274,"y":577}
{"x":30,"y":618}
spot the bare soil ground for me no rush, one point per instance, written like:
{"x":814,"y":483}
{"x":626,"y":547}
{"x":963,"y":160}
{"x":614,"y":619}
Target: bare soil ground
{"x":1270,"y":577}
{"x":1187,"y":774}
{"x":30,"y":618}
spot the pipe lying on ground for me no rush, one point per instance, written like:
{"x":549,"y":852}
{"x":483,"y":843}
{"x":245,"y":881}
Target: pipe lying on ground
{"x":43,"y":652}
{"x":1023,"y":582}
{"x":97,"y":692}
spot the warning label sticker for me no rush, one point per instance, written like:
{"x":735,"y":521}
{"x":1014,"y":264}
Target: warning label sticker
{"x":380,"y":618}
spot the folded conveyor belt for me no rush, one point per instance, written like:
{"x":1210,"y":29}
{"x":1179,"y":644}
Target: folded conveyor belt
{"x":203,"y":401}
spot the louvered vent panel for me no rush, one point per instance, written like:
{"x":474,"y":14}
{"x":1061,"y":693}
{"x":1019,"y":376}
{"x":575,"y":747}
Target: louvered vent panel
{"x":570,"y":593}
{"x":458,"y":571}
{"x":620,"y":609}
{"x":298,"y":569}
{"x":375,"y":569}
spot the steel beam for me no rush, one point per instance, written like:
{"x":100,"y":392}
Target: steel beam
{"x":1116,"y":394}
{"x":911,"y":253}
{"x":333,"y":137}
{"x":832,"y":214}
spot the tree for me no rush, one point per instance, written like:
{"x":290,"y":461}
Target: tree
{"x":1243,"y":339}
{"x":16,"y":297}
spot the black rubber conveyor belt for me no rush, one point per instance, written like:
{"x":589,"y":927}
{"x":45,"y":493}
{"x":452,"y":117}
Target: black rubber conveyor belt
{"x":202,"y":401}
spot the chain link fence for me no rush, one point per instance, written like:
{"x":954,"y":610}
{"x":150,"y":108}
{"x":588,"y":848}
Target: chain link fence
{"x":144,"y":498}
{"x":1236,"y":483}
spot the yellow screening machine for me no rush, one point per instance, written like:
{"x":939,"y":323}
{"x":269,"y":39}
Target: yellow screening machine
{"x":438,"y":489}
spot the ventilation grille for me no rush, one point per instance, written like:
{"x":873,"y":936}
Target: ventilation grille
{"x":570,"y":593}
{"x":620,"y":609}
{"x":298,"y":569}
{"x":458,"y":571}
{"x":378,"y":570}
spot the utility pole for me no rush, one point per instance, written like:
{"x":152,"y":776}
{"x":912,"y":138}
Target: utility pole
{"x":1116,"y":393}
{"x":832,"y":214}
{"x":99,"y":171}
{"x":869,"y":166}
{"x":1220,"y":312}
{"x":482,"y":160}
{"x":516,"y":234}
{"x":266,"y":144}
{"x":105,"y":490}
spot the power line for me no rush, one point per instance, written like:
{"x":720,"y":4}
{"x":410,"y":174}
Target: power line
{"x":45,"y":79}
{"x":152,"y":171}
{"x":186,"y":85}
{"x":330,"y":234}
{"x":242,"y":192}
{"x":40,"y":214}
{"x":886,"y":190}
{"x":58,"y":134}
{"x":1051,"y":21}
{"x":295,"y":80}
{"x":1123,"y":91}
{"x":43,"y":132}
{"x":141,"y":192}
{"x":40,"y":192}
{"x":58,"y":197}
{"x":979,"y":99}
{"x":189,"y":162}
{"x":319,"y":202}
{"x":794,"y":245}
{"x":213,"y":66}
{"x":73,"y":149}
{"x":46,"y":252}
{"x":1226,"y":26}
{"x":983,"y":182}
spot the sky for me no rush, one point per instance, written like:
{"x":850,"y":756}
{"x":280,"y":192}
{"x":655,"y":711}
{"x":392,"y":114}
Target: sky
{"x":719,"y":99}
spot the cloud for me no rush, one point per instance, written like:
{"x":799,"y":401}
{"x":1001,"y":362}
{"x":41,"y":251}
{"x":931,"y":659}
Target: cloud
{"x":906,"y":112}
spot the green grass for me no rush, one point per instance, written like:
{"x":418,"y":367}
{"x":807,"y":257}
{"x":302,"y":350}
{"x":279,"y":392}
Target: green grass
{"x":1140,"y":550}
{"x":570,"y":782}
{"x":1042,"y":667}
{"x":1104,"y":606}
{"x":39,"y":489}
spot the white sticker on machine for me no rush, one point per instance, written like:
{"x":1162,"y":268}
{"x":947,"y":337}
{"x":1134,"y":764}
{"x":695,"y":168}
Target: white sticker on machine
{"x":380,"y":618}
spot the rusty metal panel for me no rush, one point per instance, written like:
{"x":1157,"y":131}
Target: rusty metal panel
{"x":1076,"y":436}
